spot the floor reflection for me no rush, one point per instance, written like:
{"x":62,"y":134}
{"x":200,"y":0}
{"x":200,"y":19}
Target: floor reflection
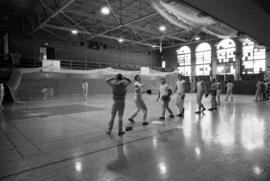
{"x":121,"y":160}
{"x":2,"y":121}
{"x":252,"y":132}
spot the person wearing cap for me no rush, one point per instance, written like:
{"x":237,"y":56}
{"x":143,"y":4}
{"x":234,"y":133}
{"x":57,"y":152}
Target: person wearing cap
{"x":119,"y":88}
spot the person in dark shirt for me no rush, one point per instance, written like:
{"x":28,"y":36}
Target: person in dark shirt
{"x":119,"y":88}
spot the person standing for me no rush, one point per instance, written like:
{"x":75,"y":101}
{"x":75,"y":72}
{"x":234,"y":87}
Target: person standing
{"x":140,"y":104}
{"x":200,"y":86}
{"x":229,"y":91}
{"x":213,"y":92}
{"x":267,"y":89}
{"x":45,"y":92}
{"x":2,"y":93}
{"x":119,"y":88}
{"x":259,"y":88}
{"x":218,"y":92}
{"x":181,"y":90}
{"x":164,"y":93}
{"x":85,"y":89}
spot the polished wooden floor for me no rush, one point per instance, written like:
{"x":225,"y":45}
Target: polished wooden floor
{"x":65,"y":139}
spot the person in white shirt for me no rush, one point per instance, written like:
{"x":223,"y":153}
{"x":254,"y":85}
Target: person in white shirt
{"x":45,"y":92}
{"x":2,"y":93}
{"x":85,"y":89}
{"x":140,"y":104}
{"x":181,"y":90}
{"x":229,"y":92}
{"x":200,"y":86}
{"x":119,"y":88}
{"x":164,"y":93}
{"x":218,"y":92}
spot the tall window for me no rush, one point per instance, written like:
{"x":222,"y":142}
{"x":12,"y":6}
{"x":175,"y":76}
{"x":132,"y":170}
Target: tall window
{"x":184,"y":60}
{"x":253,"y":59}
{"x":226,"y":57}
{"x":203,"y":59}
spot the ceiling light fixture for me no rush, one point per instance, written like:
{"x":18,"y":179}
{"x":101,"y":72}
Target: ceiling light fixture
{"x":120,"y":40}
{"x":197,"y":38}
{"x":74,"y":31}
{"x":154,"y":46}
{"x":162,"y":28}
{"x":105,"y":10}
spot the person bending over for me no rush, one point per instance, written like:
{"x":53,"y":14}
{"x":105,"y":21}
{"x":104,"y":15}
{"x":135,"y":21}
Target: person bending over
{"x":119,"y":88}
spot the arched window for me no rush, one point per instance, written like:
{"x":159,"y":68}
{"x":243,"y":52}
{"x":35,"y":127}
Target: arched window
{"x":253,"y":59}
{"x":226,"y":57}
{"x":184,"y":60}
{"x":203,"y":59}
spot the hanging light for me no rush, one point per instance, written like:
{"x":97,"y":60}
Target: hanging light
{"x":197,"y":38}
{"x":74,"y":31}
{"x":105,"y":10}
{"x":120,"y":40}
{"x":162,"y":28}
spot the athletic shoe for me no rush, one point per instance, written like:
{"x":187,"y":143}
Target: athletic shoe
{"x":129,"y":128}
{"x":162,"y":118}
{"x":121,"y":133}
{"x":211,"y":109}
{"x":144,"y":123}
{"x":203,"y":109}
{"x":171,"y":116}
{"x":197,"y":112}
{"x":131,"y":120}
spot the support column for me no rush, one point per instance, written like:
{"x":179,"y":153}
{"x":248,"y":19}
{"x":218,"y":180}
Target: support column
{"x":193,"y":61}
{"x":238,"y":59}
{"x":213,"y":59}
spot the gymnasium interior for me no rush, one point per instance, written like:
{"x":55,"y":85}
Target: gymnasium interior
{"x":50,"y":131}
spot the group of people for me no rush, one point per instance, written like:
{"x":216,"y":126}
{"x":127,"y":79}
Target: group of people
{"x":262,"y":90}
{"x":119,"y":86}
{"x":215,"y":92}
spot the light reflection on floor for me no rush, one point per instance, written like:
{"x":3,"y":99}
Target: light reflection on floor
{"x":70,"y":144}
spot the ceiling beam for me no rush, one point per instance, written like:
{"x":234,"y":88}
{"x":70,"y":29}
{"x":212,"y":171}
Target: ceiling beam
{"x":112,"y":11}
{"x":122,"y":25}
{"x":103,"y":36}
{"x":129,"y":25}
{"x":196,"y":42}
{"x":161,"y":35}
{"x":52,"y":16}
{"x":195,"y":35}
